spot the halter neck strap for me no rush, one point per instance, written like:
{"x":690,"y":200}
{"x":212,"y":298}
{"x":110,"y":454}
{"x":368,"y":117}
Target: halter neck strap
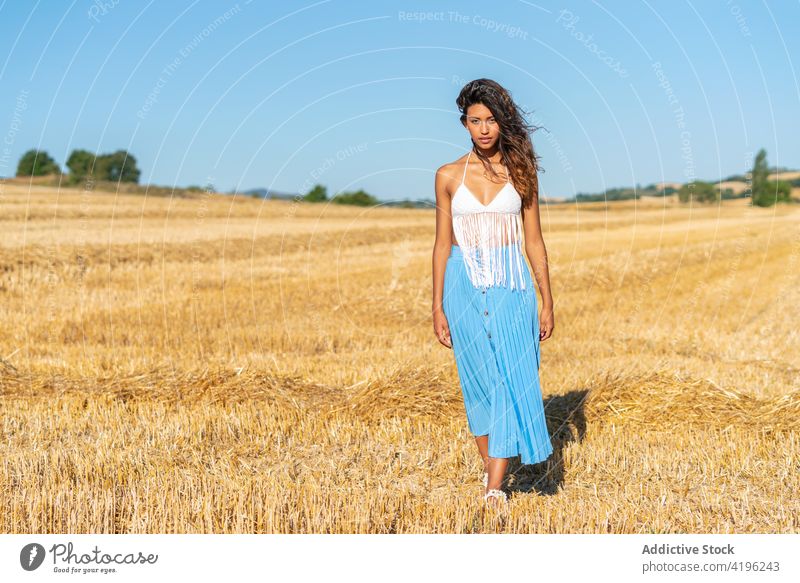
{"x":466,"y":165}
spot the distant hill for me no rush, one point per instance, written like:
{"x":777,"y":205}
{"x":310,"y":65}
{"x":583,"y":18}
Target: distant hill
{"x":265,"y":193}
{"x":735,"y":186}
{"x":426,"y":203}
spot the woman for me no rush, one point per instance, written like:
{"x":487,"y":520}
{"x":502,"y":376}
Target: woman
{"x":484,"y":301}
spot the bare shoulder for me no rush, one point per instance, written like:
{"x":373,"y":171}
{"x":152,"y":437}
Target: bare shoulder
{"x":450,"y":169}
{"x":449,"y":175}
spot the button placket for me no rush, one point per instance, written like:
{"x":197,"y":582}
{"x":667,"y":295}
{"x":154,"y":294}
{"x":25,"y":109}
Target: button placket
{"x":485,"y":300}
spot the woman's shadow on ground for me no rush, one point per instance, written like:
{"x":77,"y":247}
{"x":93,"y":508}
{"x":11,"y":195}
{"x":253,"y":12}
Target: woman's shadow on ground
{"x":566,"y":423}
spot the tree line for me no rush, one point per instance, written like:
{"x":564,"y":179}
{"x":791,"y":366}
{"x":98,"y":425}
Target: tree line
{"x":119,"y":166}
{"x":762,"y":190}
{"x":359,"y":197}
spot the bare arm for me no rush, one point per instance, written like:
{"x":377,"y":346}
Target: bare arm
{"x":537,"y":254}
{"x":441,"y":251}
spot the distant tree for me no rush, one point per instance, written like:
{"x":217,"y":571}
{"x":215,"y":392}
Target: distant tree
{"x":759,"y":179}
{"x":698,"y":191}
{"x":317,"y":194}
{"x":81,"y":164}
{"x":119,"y":166}
{"x":765,"y":191}
{"x":780,"y":190}
{"x":610,"y":194}
{"x":37,"y":163}
{"x":359,"y":198}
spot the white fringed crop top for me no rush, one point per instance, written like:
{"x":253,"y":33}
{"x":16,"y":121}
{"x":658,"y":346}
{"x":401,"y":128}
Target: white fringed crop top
{"x":490,"y":236}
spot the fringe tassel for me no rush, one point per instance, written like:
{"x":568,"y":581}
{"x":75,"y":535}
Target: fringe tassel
{"x":491,"y":243}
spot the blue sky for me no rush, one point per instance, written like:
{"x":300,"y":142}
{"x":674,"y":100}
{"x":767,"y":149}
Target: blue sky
{"x":362,"y":95}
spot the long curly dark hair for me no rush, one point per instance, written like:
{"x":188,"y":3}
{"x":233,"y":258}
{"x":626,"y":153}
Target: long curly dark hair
{"x":515,"y":145}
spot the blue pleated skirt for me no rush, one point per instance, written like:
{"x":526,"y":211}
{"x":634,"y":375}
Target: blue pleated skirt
{"x":495,"y":337}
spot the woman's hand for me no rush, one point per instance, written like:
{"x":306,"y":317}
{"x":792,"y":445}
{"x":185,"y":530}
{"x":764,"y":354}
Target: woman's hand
{"x":546,"y":323}
{"x":441,"y":328}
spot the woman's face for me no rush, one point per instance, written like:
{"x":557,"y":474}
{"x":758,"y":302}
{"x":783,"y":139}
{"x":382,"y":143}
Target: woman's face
{"x":482,"y":126}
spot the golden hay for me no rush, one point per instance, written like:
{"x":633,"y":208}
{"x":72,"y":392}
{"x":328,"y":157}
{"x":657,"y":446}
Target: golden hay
{"x":665,"y":400}
{"x":221,"y":364}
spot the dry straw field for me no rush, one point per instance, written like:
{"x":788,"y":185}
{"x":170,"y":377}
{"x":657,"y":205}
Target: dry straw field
{"x":211,"y":364}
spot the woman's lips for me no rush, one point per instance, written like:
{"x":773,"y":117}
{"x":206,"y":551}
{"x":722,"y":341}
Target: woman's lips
{"x":484,"y":140}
